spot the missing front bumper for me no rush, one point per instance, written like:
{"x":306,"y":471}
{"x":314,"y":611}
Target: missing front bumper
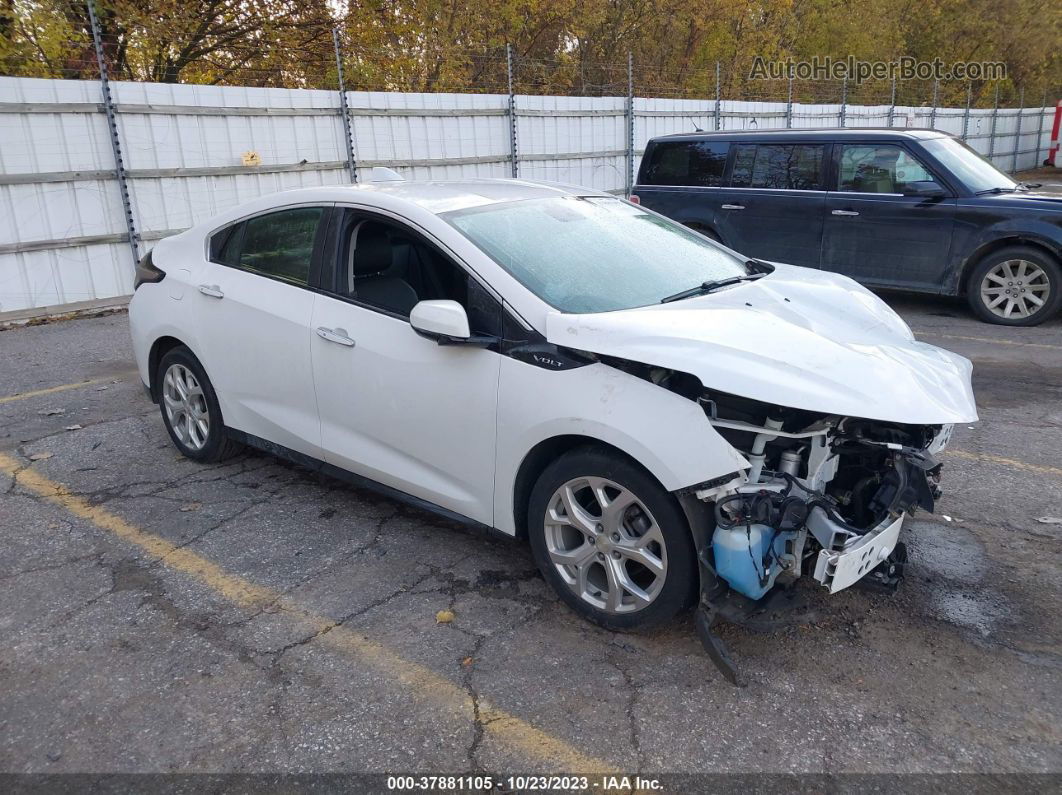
{"x":837,"y":569}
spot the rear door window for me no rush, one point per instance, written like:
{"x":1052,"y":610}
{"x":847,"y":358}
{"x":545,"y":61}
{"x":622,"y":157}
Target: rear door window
{"x":778,"y":166}
{"x":686,"y":163}
{"x":280,"y":244}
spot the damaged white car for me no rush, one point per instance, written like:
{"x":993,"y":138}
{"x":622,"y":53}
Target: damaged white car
{"x":665,"y":420}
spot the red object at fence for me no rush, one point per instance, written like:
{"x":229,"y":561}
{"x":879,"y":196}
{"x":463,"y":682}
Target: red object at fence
{"x":1052,"y":154}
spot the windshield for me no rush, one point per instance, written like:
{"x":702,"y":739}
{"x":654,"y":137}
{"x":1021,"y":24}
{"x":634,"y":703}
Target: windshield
{"x":962,"y":161}
{"x":594,"y":254}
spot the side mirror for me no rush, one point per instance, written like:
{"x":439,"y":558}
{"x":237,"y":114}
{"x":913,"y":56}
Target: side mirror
{"x":926,"y":189}
{"x":442,"y":321}
{"x":446,"y":322}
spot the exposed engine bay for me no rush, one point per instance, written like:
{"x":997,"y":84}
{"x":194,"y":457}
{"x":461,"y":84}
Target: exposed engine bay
{"x":824,"y":497}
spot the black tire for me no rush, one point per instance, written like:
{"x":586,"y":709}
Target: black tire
{"x":998,"y":260}
{"x":217,"y":446}
{"x":678,"y":590}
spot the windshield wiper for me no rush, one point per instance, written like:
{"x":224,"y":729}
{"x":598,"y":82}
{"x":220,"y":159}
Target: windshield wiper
{"x":711,"y":286}
{"x":987,"y":191}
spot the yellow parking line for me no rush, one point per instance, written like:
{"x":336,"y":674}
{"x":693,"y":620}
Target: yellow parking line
{"x":52,"y":390}
{"x":987,"y":339}
{"x":503,"y":726}
{"x":1008,"y":462}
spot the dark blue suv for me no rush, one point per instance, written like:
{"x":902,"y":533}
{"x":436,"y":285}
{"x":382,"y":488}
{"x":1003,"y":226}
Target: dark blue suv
{"x":905,"y":209}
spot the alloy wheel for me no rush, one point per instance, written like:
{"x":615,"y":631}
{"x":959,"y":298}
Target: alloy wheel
{"x":186,"y":406}
{"x":1015,"y":288}
{"x":605,"y":544}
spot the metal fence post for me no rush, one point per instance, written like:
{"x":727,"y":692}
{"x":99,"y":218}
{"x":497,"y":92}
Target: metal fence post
{"x":718,"y":96}
{"x":348,"y":133}
{"x":844,"y":100}
{"x":992,"y":132}
{"x":513,"y":151}
{"x":892,"y":102}
{"x":630,"y":122}
{"x":1040,"y":131}
{"x":966,"y":111}
{"x":1017,"y":132}
{"x":116,"y":145}
{"x":936,"y":101}
{"x":789,"y":105}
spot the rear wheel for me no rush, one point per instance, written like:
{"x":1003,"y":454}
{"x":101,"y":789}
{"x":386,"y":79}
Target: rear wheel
{"x":611,"y":541}
{"x":1015,"y":286}
{"x":190,"y":409}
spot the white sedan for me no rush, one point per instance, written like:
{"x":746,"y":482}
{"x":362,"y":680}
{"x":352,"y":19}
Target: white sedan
{"x":660,"y":416}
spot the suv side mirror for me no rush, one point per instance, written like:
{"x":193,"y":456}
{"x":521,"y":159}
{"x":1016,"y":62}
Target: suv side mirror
{"x":926,"y":189}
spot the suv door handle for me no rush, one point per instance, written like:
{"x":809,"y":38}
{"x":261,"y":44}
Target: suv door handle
{"x":212,"y":290}
{"x":844,"y":212}
{"x":733,"y":206}
{"x":336,"y":335}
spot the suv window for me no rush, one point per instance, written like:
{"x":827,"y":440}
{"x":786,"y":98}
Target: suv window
{"x":686,"y":163}
{"x":878,"y":169}
{"x":782,"y":166}
{"x":388,"y":267}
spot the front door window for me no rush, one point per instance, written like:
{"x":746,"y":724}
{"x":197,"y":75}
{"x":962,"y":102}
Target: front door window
{"x":879,"y":169}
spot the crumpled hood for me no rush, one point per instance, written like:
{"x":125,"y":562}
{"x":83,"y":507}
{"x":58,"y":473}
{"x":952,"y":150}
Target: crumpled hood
{"x":798,"y":337}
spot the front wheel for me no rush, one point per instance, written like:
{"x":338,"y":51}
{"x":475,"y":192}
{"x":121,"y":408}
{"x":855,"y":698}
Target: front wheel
{"x":611,"y":541}
{"x":1015,"y":286}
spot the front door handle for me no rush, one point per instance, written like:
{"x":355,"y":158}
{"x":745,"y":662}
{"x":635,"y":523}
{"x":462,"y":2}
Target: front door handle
{"x":733,"y":206}
{"x":845,"y":212}
{"x":336,"y":335}
{"x":212,"y":290}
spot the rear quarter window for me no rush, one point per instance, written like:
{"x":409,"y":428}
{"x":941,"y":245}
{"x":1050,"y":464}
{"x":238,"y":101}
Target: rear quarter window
{"x":686,"y":163}
{"x":225,"y":245}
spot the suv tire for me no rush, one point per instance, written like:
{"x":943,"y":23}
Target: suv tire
{"x":1015,"y":286}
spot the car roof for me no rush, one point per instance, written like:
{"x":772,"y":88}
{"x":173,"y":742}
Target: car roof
{"x":813,"y":134}
{"x":432,"y":196}
{"x":440,"y":196}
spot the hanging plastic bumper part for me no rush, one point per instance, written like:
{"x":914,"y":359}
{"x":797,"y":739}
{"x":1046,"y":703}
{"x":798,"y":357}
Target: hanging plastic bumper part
{"x":874,"y":561}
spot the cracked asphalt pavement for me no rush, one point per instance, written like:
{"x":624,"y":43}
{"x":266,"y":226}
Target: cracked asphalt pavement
{"x":158,"y":615}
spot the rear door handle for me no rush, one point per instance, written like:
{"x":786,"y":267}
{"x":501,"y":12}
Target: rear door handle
{"x":336,"y":335}
{"x":212,"y":290}
{"x":733,"y":206}
{"x":845,"y":212}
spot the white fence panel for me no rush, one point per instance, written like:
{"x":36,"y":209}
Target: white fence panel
{"x":593,"y":130}
{"x":469,"y":130}
{"x":44,"y":146}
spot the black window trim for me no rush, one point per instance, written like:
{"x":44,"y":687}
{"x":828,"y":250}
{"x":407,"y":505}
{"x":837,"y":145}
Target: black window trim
{"x":323,"y":229}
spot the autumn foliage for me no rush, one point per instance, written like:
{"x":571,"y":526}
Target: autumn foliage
{"x":559,"y":46}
